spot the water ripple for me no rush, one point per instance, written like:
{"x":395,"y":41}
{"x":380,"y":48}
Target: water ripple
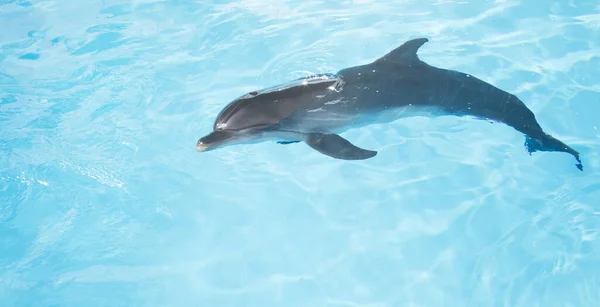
{"x":101,"y":190}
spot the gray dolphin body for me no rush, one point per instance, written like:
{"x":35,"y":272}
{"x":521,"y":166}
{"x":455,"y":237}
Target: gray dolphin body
{"x":316,"y":109}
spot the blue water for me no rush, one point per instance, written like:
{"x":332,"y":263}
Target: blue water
{"x":105,"y":202}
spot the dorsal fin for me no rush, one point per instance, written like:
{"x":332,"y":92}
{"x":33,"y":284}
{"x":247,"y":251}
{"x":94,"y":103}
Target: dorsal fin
{"x":405,"y":54}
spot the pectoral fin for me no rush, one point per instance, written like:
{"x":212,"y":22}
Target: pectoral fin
{"x":337,"y":147}
{"x":287,"y":142}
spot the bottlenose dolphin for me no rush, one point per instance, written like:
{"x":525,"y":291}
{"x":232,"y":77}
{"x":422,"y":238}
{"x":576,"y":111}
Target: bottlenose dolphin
{"x":316,"y":109}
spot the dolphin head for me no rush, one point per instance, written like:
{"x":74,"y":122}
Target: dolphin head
{"x":242,"y":121}
{"x":256,"y":115}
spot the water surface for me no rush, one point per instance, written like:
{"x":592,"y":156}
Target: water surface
{"x":104,"y":202}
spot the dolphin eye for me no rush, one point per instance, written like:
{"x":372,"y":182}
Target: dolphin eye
{"x":253,"y":93}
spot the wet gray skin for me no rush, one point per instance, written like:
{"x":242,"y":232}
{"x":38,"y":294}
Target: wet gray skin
{"x":317,"y":109}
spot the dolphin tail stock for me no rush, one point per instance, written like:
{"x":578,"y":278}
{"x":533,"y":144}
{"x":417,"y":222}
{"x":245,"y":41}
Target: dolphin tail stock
{"x":546,"y":142}
{"x":517,"y":115}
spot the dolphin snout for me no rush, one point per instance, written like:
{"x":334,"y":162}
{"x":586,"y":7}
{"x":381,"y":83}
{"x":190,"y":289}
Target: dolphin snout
{"x":214,"y":140}
{"x":201,"y":146}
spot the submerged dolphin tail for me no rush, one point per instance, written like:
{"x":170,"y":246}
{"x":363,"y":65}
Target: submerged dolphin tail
{"x":547,"y":142}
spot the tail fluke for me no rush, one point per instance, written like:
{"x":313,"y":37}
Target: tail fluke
{"x":549,"y":143}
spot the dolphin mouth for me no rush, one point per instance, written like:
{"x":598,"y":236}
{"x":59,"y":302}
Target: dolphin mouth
{"x":216,"y":139}
{"x":200,"y":147}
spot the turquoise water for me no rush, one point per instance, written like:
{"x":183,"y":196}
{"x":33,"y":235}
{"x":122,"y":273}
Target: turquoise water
{"x":105,"y":202}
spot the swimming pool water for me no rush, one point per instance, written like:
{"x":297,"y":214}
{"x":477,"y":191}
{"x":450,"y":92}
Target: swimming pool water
{"x":105,"y":202}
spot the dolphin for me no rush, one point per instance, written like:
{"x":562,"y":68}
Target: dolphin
{"x":318,"y":108}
